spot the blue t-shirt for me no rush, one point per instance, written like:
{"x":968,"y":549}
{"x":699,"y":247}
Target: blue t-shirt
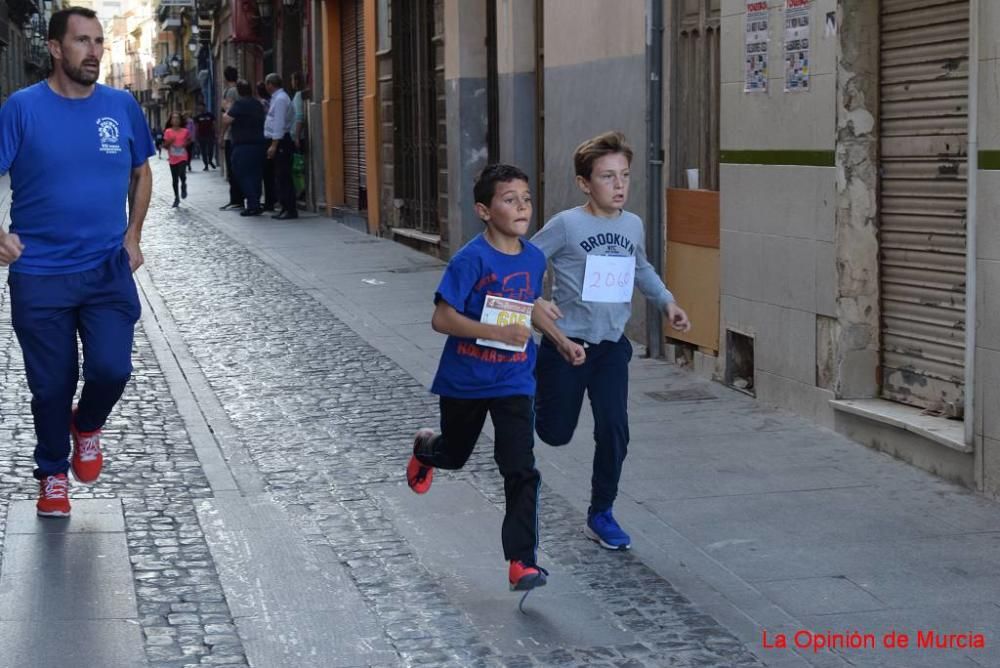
{"x":70,"y":163}
{"x":468,"y":370}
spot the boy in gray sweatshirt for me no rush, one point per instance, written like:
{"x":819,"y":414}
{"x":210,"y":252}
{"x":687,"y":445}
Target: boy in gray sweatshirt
{"x":598,"y":255}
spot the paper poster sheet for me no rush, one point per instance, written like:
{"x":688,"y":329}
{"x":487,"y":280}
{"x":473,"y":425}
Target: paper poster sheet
{"x":755,"y":46}
{"x":797,"y":45}
{"x":502,"y":311}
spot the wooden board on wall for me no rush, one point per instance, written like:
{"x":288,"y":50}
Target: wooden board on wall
{"x":693,"y":217}
{"x":693,"y":277}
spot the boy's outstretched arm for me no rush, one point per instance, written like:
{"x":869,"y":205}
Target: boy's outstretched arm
{"x":447,"y":320}
{"x":678,"y":317}
{"x":541,"y":319}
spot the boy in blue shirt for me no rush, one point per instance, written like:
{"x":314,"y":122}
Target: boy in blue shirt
{"x":488,"y":363}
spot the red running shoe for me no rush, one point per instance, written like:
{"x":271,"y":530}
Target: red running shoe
{"x":87,"y":459}
{"x":53,"y":496}
{"x":524,"y":577}
{"x":418,"y":475}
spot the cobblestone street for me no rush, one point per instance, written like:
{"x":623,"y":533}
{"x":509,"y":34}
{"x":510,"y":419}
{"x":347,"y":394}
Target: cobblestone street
{"x":254,"y":485}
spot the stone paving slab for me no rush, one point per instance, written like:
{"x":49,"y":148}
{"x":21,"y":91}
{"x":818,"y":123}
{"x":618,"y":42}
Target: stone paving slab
{"x":88,"y":516}
{"x":105,"y":643}
{"x":310,"y":638}
{"x":66,"y":576}
{"x":291,"y":605}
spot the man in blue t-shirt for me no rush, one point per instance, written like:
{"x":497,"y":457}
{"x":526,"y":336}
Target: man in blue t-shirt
{"x":76,"y":151}
{"x":488,"y":362}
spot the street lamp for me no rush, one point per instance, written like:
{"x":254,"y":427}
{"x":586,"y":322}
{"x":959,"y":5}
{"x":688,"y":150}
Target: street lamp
{"x":175,"y":62}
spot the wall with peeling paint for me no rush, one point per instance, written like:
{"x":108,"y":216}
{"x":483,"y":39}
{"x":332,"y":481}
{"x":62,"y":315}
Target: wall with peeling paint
{"x":779,"y":207}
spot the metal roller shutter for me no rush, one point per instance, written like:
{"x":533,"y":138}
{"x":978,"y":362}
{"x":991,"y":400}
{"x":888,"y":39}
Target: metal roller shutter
{"x":923,"y":121}
{"x":353,"y":82}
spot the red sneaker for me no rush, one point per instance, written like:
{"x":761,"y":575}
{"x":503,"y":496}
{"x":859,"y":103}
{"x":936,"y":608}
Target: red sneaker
{"x":53,"y":496}
{"x":418,"y":475}
{"x":87,"y":459}
{"x":523,"y":577}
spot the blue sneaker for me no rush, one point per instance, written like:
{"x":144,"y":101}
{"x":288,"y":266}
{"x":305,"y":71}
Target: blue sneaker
{"x":605,"y":531}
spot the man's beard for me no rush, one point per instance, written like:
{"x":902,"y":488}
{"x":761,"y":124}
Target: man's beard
{"x":78,"y":74}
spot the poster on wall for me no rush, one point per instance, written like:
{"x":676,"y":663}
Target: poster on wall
{"x":755,"y":45}
{"x":797,"y":45}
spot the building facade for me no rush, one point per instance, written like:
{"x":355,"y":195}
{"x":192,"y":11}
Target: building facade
{"x":24,"y":58}
{"x":859,"y":249}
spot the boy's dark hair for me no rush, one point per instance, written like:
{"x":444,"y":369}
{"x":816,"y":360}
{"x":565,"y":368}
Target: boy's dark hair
{"x":60,"y":20}
{"x":243,"y":88}
{"x":607,"y":143}
{"x":230,"y":73}
{"x":491,"y":176}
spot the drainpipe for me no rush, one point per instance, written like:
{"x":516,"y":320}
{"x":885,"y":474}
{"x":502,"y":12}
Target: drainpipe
{"x":654,"y":154}
{"x":970,"y":225}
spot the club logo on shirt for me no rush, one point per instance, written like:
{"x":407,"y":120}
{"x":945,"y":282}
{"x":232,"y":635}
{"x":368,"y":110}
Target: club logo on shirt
{"x":107,"y":130}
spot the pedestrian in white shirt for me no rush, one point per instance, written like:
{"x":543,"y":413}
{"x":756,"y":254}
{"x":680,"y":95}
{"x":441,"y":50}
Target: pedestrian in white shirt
{"x":277,"y":129}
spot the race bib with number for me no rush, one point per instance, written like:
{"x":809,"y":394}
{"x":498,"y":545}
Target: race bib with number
{"x":178,"y":150}
{"x":609,"y":278}
{"x":502,"y":311}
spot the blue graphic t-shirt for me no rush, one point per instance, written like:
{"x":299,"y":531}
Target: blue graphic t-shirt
{"x":70,"y":164}
{"x":468,"y":370}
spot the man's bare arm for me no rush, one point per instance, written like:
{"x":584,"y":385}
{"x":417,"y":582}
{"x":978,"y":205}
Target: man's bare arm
{"x":140,"y":190}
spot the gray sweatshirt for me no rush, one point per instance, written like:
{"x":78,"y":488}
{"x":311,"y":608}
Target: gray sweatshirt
{"x":567,"y":240}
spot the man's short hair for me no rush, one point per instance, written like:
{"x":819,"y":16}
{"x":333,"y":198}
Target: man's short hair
{"x":492,"y":175}
{"x":230,"y":73}
{"x":590,"y":151}
{"x":274,"y":79}
{"x":60,"y":21}
{"x":243,"y":88}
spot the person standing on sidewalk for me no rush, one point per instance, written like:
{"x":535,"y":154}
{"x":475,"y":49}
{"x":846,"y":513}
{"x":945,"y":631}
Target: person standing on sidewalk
{"x":264,"y":97}
{"x":205,"y":134}
{"x":277,"y":128}
{"x":177,"y":140}
{"x":71,"y":249}
{"x":245,"y":121}
{"x":299,"y":135}
{"x":598,"y":254}
{"x":487,"y":365}
{"x":229,"y":95}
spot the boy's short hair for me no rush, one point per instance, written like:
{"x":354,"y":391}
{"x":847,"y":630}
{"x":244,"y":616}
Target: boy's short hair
{"x":491,"y":176}
{"x":607,"y":143}
{"x":230,"y":73}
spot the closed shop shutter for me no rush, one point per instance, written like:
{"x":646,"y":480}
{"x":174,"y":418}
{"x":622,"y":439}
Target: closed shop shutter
{"x":924,"y":131}
{"x":353,"y":81}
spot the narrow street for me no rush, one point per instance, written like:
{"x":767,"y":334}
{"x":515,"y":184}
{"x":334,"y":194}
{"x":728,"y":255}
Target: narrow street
{"x":253,"y":509}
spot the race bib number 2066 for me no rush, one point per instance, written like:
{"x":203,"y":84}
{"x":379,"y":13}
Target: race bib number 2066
{"x":609,"y":278}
